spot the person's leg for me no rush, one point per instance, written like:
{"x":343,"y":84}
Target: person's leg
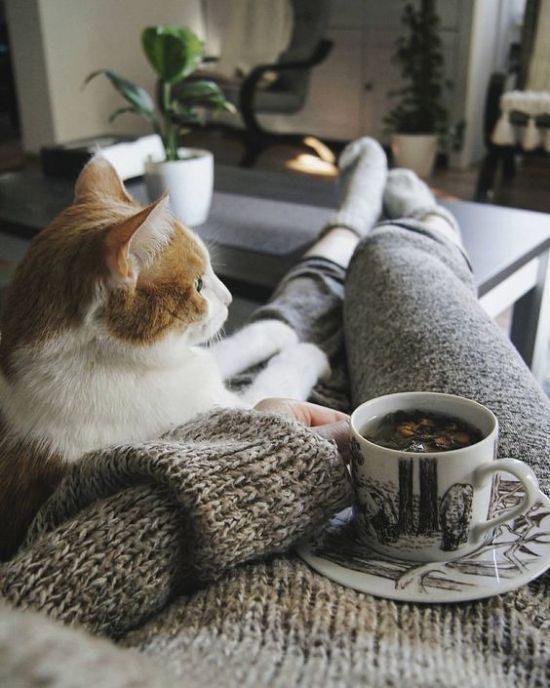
{"x":337,"y":244}
{"x":309,"y":298}
{"x":412,"y":322}
{"x":306,"y":306}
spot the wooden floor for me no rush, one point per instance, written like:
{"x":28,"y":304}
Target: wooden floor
{"x":530,"y":189}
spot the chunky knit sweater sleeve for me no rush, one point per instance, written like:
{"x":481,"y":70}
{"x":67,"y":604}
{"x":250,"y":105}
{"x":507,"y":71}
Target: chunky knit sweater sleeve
{"x":134,"y":525}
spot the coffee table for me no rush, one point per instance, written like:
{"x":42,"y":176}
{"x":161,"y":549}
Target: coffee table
{"x":261,"y":223}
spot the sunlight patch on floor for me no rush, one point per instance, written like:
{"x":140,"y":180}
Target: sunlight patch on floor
{"x":322,"y":150}
{"x":311,"y":164}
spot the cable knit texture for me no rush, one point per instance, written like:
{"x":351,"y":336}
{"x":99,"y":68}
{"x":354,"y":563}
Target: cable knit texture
{"x":132,"y":526}
{"x":180,"y":550}
{"x":171,"y":548}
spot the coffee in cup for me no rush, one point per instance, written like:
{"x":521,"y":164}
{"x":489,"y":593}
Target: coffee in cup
{"x":421,"y":432}
{"x":427,"y":497}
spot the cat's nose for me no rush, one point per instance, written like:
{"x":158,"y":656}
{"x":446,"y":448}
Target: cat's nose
{"x":226,"y":295}
{"x":221,"y":291}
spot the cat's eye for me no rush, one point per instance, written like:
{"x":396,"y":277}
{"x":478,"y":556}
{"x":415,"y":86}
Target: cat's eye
{"x":198,"y":284}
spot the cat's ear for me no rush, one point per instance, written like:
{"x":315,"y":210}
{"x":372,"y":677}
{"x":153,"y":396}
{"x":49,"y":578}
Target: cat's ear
{"x":99,"y":179}
{"x":135,"y":242}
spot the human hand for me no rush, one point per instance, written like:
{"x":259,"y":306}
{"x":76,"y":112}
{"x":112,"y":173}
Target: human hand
{"x":328,"y":423}
{"x":311,"y":415}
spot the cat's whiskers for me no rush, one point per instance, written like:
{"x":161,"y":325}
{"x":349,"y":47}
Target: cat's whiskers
{"x":100,"y":332}
{"x":215,"y":338}
{"x":213,"y":246}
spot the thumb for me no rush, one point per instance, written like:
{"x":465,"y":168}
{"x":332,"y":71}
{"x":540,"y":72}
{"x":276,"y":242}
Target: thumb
{"x":337,"y":432}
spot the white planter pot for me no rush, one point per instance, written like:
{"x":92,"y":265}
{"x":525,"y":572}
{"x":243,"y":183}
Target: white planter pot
{"x":415,"y":151}
{"x":188,"y":181}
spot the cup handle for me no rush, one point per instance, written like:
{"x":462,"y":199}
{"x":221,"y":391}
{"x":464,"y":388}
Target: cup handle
{"x":524,"y":474}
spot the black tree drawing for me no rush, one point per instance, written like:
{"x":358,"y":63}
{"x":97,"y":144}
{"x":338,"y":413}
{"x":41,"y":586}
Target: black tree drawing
{"x":456,"y":512}
{"x":406,"y":508}
{"x":518,"y":546}
{"x":428,"y":519}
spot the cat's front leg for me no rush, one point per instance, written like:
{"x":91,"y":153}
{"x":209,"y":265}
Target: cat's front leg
{"x":290,"y":374}
{"x":252,"y":344}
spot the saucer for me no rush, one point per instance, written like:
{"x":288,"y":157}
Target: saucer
{"x":518,"y":552}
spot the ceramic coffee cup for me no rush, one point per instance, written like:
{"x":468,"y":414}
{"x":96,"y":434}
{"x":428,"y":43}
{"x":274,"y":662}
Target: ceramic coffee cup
{"x":433,"y":506}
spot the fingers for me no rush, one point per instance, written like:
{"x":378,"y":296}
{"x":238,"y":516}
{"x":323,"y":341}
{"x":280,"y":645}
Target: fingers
{"x":304,"y":412}
{"x":337,"y":432}
{"x":328,"y":423}
{"x":283,"y":407}
{"x":320,"y":415}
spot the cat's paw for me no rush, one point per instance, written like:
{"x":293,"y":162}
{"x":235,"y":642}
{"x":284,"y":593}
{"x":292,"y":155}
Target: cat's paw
{"x":274,"y":334}
{"x":292,"y":373}
{"x":304,"y":359}
{"x":312,"y":357}
{"x":255,"y":343}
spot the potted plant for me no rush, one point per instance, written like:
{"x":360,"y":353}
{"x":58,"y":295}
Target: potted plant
{"x":420,"y":116}
{"x":187,"y":174}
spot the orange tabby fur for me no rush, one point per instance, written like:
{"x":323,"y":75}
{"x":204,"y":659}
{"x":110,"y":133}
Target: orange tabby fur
{"x":101,"y":338}
{"x":28,"y":476}
{"x":84,"y":249}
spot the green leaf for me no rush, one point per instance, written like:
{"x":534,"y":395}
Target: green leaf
{"x":419,"y":54}
{"x":182,"y":113}
{"x":227,"y":106}
{"x":205,"y":93}
{"x":173,"y":52}
{"x":221,"y":103}
{"x":134,"y":94}
{"x":198,"y":89}
{"x":121,"y":111}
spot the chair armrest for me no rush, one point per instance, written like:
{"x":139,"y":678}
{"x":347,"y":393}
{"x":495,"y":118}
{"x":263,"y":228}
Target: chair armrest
{"x":246,"y":94}
{"x":321,"y":52}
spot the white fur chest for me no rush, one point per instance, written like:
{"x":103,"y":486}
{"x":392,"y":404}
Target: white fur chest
{"x":76,"y":398}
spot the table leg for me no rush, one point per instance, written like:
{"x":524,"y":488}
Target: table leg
{"x":530,"y":332}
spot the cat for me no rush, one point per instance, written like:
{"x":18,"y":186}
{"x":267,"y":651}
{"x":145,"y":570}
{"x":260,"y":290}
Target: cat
{"x":100,"y":342}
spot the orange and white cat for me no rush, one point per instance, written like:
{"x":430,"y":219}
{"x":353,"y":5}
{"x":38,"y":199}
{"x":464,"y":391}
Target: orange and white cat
{"x":100,"y":342}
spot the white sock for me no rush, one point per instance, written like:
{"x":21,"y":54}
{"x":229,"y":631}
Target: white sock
{"x":363,"y":169}
{"x":406,"y":195}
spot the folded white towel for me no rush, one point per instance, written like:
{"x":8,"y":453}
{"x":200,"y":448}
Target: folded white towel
{"x":129,"y":159}
{"x":533,"y":104}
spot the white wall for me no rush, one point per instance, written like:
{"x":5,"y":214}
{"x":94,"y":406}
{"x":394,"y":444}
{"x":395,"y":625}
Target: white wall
{"x":30,"y":73}
{"x":511,"y":19}
{"x":481,"y":64}
{"x":57,"y":43}
{"x":495,"y":25}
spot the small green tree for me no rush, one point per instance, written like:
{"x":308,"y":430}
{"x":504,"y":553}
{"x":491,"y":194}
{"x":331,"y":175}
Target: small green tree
{"x":174,"y":53}
{"x":420,"y":56}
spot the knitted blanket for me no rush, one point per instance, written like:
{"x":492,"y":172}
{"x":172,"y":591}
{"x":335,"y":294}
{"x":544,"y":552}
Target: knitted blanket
{"x":178,"y":551}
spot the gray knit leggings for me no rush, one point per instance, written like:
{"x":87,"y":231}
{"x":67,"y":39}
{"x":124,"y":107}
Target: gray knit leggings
{"x":406,"y":317}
